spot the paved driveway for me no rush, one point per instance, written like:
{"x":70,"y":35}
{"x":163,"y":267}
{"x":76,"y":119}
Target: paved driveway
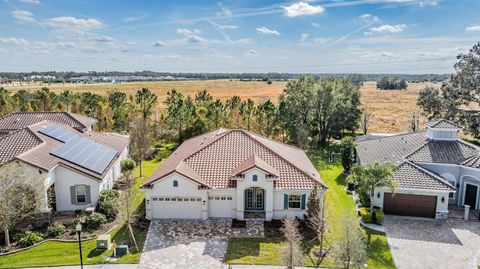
{"x":424,"y":243}
{"x":191,"y":243}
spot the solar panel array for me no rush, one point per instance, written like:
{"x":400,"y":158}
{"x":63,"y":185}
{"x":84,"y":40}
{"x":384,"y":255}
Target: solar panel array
{"x":80,"y":150}
{"x":59,"y":133}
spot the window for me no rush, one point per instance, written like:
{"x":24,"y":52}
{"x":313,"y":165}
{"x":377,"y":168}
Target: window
{"x":81,"y":194}
{"x":229,"y":198}
{"x":294,"y":201}
{"x":179,"y":199}
{"x":199,"y":200}
{"x":175,"y":183}
{"x":167,"y":199}
{"x":155,"y":199}
{"x":174,"y":199}
{"x":160,"y":199}
{"x":223,"y":198}
{"x":192,"y":199}
{"x":452,"y":194}
{"x":217,"y":198}
{"x":255,"y":178}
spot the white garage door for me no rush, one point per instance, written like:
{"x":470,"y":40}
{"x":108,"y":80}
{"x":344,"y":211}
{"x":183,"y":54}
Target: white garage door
{"x":176,"y":208}
{"x":220,"y":206}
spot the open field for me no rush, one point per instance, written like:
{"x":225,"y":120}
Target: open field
{"x":390,"y":110}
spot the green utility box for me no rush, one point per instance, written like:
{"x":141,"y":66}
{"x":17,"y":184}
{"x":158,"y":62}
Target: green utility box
{"x":121,"y":250}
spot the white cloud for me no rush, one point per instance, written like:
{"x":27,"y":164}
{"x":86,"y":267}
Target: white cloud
{"x":103,"y":39}
{"x":228,"y":26}
{"x":225,"y":10}
{"x":186,"y":32}
{"x":473,"y":28}
{"x":368,"y":17}
{"x":36,"y":2}
{"x":159,"y":44}
{"x":321,"y":40}
{"x":316,"y":25}
{"x":72,"y":22}
{"x":388,"y":28}
{"x":195,"y":39}
{"x":251,"y":52}
{"x":264,"y":30}
{"x":302,"y":9}
{"x":14,"y":41}
{"x":23,"y":15}
{"x":304,"y":36}
{"x":66,"y":45}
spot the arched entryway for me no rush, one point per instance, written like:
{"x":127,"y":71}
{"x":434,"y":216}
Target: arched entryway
{"x":254,"y":199}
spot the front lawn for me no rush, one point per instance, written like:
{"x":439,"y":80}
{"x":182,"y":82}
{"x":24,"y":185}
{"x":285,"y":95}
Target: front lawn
{"x":267,"y":251}
{"x":66,"y":253}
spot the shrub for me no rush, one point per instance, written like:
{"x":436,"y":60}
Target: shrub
{"x":56,"y":229}
{"x":29,"y":239}
{"x":365,"y":214}
{"x":364,"y":199}
{"x":109,"y":195}
{"x":379,"y":216}
{"x":108,"y":208}
{"x":94,"y":221}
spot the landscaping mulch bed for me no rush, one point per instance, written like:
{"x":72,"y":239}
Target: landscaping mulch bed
{"x":272,"y":228}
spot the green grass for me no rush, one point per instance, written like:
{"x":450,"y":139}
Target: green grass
{"x":267,"y":251}
{"x":66,"y":253}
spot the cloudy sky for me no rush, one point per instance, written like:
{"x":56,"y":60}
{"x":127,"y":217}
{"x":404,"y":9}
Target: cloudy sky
{"x":329,"y":36}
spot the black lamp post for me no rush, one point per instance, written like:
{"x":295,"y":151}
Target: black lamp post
{"x":79,"y":233}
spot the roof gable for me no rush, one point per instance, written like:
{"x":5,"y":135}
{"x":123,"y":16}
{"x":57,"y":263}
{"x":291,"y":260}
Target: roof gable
{"x":254,"y":161}
{"x":443,"y":124}
{"x":412,"y":176}
{"x":16,"y":143}
{"x":20,"y":120}
{"x":442,"y":151}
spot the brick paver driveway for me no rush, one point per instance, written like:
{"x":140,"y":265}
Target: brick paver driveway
{"x":424,"y":243}
{"x":191,"y":243}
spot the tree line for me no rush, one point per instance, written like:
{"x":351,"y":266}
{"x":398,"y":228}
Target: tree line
{"x":391,"y":83}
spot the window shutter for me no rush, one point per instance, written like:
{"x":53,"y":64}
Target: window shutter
{"x":88,"y":198}
{"x":285,"y":201}
{"x":302,"y":201}
{"x":73,"y":199}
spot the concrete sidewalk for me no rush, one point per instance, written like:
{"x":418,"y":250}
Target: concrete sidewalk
{"x":95,"y":266}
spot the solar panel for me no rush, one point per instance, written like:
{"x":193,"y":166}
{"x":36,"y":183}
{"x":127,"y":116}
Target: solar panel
{"x":86,"y":153}
{"x":59,"y":133}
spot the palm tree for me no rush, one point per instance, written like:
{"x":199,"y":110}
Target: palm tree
{"x":370,"y":177}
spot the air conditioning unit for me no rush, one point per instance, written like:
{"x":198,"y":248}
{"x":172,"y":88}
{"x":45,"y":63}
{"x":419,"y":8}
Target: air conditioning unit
{"x":104,"y":241}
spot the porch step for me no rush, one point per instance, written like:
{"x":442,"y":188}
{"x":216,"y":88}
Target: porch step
{"x":254,"y":215}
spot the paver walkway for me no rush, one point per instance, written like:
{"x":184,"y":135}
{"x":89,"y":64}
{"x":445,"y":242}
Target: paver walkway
{"x":427,"y":243}
{"x":191,"y":243}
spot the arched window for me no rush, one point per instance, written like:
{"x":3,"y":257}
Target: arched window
{"x":255,"y":178}
{"x":175,"y":183}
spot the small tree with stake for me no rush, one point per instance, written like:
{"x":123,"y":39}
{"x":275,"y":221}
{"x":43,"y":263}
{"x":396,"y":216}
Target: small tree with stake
{"x":292,"y":252}
{"x":128,"y":182}
{"x":350,"y":251}
{"x":317,"y":221}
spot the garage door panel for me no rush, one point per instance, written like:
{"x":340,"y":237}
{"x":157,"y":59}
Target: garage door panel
{"x":410,"y":205}
{"x":176,"y":208}
{"x":220,"y":207}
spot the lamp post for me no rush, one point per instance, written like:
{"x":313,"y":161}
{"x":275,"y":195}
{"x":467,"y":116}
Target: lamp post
{"x":79,"y":232}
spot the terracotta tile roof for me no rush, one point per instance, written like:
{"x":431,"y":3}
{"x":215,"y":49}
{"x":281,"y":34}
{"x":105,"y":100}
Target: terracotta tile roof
{"x":16,"y":143}
{"x":214,"y":155}
{"x":254,"y":161}
{"x":443,"y":124}
{"x":19,"y":120}
{"x":39,"y":147}
{"x":442,"y":151}
{"x":473,"y":161}
{"x":412,"y":176}
{"x":389,"y":149}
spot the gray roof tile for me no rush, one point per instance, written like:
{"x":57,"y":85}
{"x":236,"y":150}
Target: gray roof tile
{"x":438,"y":151}
{"x":412,"y":176}
{"x":443,"y":124}
{"x":20,"y":120}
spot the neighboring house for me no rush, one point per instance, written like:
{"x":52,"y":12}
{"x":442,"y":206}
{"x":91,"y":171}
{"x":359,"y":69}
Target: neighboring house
{"x":75,"y":163}
{"x":436,"y":169}
{"x":232,"y":174}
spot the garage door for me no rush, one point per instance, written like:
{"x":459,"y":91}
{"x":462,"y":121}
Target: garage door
{"x":220,"y":206}
{"x":410,"y":205}
{"x":176,"y":208}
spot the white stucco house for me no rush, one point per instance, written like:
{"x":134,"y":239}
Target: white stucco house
{"x":232,"y":174}
{"x":436,"y":170}
{"x":73,"y":162}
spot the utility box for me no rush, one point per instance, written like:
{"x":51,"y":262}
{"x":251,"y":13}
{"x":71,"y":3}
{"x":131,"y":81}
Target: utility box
{"x":121,"y":250}
{"x":104,"y":241}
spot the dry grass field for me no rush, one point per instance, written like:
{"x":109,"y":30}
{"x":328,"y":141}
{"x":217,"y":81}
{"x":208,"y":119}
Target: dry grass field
{"x":390,"y":110}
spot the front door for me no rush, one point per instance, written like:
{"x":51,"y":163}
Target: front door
{"x":254,"y":199}
{"x":471,"y":196}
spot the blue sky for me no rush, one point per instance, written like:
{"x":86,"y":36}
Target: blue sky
{"x":329,"y":36}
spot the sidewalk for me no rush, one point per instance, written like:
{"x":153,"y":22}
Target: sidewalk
{"x":95,"y":266}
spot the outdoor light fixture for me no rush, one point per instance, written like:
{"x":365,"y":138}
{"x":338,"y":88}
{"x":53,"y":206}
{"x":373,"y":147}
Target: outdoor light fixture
{"x":79,"y":232}
{"x":443,"y":199}
{"x":378,"y":195}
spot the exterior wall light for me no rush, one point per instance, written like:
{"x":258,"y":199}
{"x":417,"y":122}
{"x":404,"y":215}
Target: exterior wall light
{"x":378,"y":195}
{"x":443,"y":199}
